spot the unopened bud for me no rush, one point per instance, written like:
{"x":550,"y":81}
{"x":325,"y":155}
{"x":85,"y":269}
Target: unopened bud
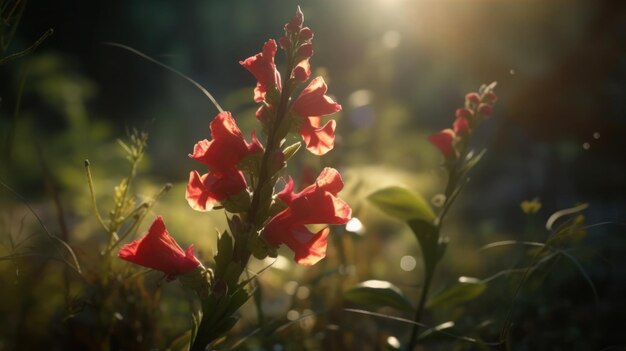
{"x":300,"y":74}
{"x":462,"y":113}
{"x":306,"y":50}
{"x":472,"y":97}
{"x":284,"y":42}
{"x":306,"y":33}
{"x":485,"y":109}
{"x":461,"y":126}
{"x":295,"y":23}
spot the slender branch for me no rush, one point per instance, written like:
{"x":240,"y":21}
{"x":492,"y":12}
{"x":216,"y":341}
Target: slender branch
{"x":28,"y":50}
{"x":92,"y":193}
{"x":50,"y":235}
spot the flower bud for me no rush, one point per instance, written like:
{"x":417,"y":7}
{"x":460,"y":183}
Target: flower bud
{"x":284,"y":42}
{"x":295,"y":23}
{"x":306,"y":33}
{"x":300,"y":74}
{"x":485,"y":109}
{"x":306,"y":50}
{"x":472,"y":97}
{"x":461,"y":126}
{"x":463,"y":113}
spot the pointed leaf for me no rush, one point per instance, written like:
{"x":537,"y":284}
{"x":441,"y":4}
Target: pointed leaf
{"x":466,"y":289}
{"x":402,"y":204}
{"x":565,"y":212}
{"x":291,"y":150}
{"x":438,"y":332}
{"x":224,"y":253}
{"x":378,"y":293}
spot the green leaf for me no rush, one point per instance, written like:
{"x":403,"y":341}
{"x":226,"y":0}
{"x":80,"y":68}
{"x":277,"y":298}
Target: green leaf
{"x":402,"y":204}
{"x":435,"y":333}
{"x":224,"y":253}
{"x":471,"y":161}
{"x":291,"y":150}
{"x":378,"y":293}
{"x":568,"y":211}
{"x":465,"y":290}
{"x":428,"y":237}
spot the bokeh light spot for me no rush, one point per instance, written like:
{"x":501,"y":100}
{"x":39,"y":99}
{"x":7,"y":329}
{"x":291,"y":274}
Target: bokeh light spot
{"x":354,"y":225}
{"x":408,"y":263}
{"x":292,"y":315}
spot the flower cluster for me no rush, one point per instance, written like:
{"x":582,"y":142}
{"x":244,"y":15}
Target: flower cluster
{"x":239,"y":173}
{"x":478,"y":106}
{"x":305,"y":113}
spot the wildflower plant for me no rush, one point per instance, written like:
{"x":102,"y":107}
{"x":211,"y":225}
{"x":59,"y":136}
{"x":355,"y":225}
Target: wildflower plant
{"x":459,"y":159}
{"x":240,"y":177}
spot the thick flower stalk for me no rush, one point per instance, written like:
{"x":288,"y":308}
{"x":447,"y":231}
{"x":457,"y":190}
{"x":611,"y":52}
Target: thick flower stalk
{"x":240,"y":177}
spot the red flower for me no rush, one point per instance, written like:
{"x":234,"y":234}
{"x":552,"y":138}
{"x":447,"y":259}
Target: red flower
{"x":159,"y":251}
{"x":228,"y":146}
{"x":443,"y":141}
{"x":316,"y":204}
{"x":310,"y":106}
{"x":264,"y":70}
{"x":221,"y":155}
{"x":208,"y":190}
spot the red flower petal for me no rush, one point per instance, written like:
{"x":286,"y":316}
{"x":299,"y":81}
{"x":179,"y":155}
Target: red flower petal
{"x":309,"y":248}
{"x":264,"y":70}
{"x":316,"y":204}
{"x":159,"y":251}
{"x":208,"y":190}
{"x":313,"y":101}
{"x":443,"y":141}
{"x":318,"y":140}
{"x":228,"y":146}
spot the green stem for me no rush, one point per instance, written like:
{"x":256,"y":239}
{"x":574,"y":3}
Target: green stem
{"x":92,"y":193}
{"x":420,"y":308}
